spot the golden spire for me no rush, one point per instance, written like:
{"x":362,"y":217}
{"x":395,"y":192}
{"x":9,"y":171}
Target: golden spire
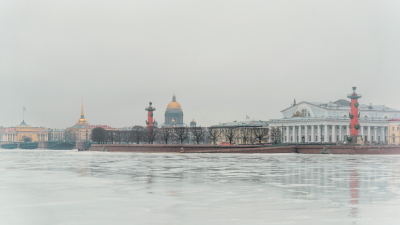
{"x":82,"y":119}
{"x":82,"y":108}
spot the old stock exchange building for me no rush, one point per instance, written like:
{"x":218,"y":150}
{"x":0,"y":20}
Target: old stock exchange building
{"x":307,"y":122}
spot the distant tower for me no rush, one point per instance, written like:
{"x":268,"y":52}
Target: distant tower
{"x":82,"y":120}
{"x":150,"y":110}
{"x":354,"y":126}
{"x":193,"y":123}
{"x":155,"y":123}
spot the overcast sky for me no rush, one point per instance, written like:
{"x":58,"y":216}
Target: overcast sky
{"x":223,"y":59}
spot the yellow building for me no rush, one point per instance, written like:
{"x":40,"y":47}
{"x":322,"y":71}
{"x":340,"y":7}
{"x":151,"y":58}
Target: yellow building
{"x":23,"y":133}
{"x":82,"y":131}
{"x":394,"y":131}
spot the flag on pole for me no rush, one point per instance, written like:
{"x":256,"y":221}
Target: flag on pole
{"x":23,"y":109}
{"x":247,"y":117}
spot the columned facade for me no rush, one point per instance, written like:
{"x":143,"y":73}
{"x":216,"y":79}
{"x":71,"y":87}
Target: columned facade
{"x":311,"y":122}
{"x":326,"y":130}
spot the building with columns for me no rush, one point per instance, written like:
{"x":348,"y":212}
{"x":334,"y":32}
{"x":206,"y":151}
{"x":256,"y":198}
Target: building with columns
{"x":56,"y":134}
{"x":394,"y":131}
{"x":308,"y":122}
{"x":23,"y":133}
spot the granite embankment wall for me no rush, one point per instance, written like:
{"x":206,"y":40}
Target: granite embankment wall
{"x":348,"y":149}
{"x":177,"y":148}
{"x":303,"y":149}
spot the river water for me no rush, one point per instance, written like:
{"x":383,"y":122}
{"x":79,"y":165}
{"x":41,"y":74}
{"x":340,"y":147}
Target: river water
{"x":71,"y":187}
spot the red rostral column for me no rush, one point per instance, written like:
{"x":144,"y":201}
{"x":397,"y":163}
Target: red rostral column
{"x":150,"y":110}
{"x":354,"y":126}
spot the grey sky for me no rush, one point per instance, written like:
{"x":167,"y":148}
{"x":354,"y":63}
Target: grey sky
{"x":223,"y":59}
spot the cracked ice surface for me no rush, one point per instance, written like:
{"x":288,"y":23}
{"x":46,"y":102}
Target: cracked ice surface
{"x":71,"y":187}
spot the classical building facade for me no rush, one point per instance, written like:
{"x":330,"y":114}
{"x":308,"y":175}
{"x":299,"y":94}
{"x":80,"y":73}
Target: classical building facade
{"x":56,"y":135}
{"x":23,"y":133}
{"x":307,"y":122}
{"x":394,"y":131}
{"x":173,"y":114}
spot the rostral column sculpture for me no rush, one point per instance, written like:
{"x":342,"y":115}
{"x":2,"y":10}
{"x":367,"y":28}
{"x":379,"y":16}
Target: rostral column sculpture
{"x":150,"y":110}
{"x":354,"y":116}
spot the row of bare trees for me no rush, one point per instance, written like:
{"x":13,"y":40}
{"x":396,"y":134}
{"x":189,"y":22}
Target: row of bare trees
{"x":248,"y":135}
{"x":181,"y":135}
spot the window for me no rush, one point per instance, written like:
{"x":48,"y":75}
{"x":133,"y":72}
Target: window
{"x":305,"y":113}
{"x":392,"y":128}
{"x":345,"y":116}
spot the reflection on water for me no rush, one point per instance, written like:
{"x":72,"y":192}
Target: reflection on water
{"x":70,"y":187}
{"x":354,"y":191}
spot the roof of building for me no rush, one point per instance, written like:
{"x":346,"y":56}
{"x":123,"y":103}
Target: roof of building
{"x":23,"y":124}
{"x":343,"y":104}
{"x":174,"y":104}
{"x":395,"y":119}
{"x":250,"y":123}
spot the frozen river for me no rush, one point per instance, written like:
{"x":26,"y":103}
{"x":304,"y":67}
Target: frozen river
{"x":70,"y":187}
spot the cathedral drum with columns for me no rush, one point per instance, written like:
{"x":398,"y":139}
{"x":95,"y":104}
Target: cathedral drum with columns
{"x":312,"y":122}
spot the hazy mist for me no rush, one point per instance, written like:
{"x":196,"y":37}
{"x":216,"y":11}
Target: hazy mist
{"x":223,"y":59}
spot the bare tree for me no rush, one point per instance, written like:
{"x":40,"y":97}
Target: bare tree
{"x":260,"y":133}
{"x":181,"y":134}
{"x":214,"y":134}
{"x":99,"y":135}
{"x":230,"y":133}
{"x":26,"y":139}
{"x":110,"y":136}
{"x":151,"y":134}
{"x":128,"y":136}
{"x":137,"y":134}
{"x":70,"y":136}
{"x":166,"y":134}
{"x":245,"y":134}
{"x":275,"y":134}
{"x":125,"y":136}
{"x":198,"y":133}
{"x":117,"y":136}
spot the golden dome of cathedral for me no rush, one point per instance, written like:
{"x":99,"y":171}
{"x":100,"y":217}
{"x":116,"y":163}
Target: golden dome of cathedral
{"x":174,"y":104}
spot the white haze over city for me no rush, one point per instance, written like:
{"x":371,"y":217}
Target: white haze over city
{"x":223,"y":59}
